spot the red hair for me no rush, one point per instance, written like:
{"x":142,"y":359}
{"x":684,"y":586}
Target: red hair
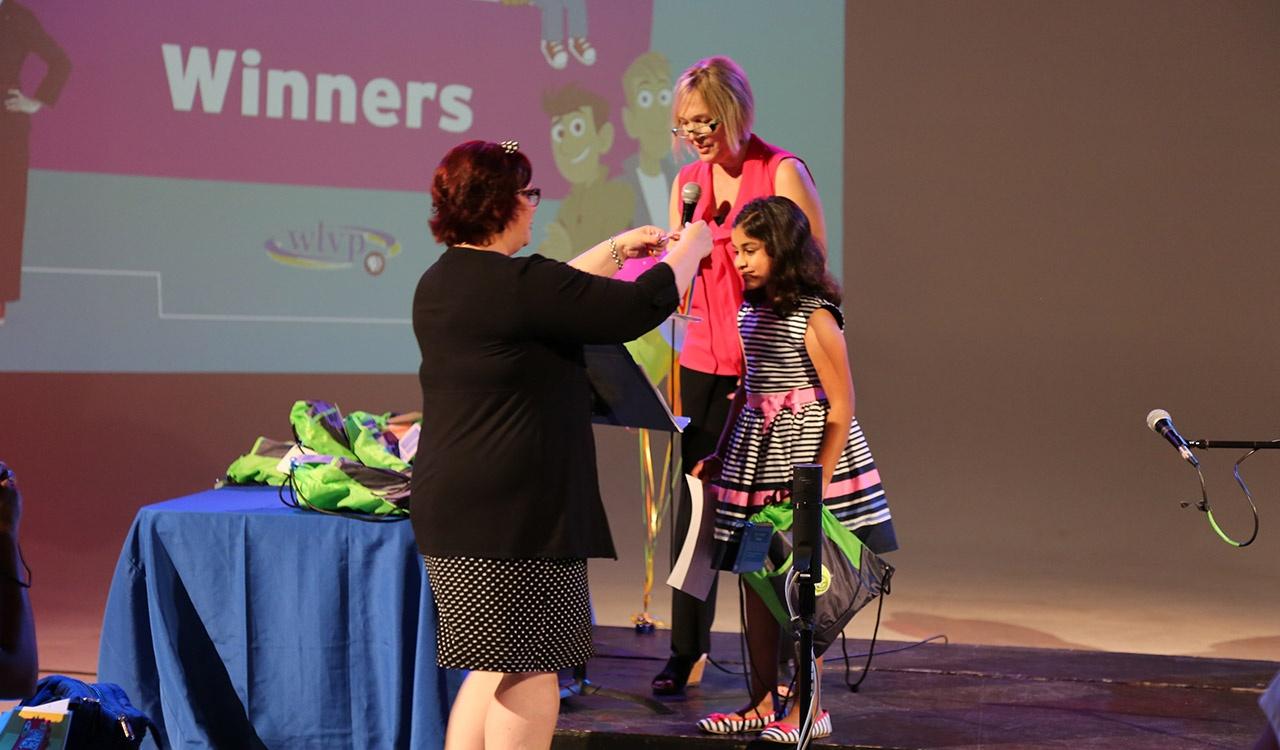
{"x":473,"y":192}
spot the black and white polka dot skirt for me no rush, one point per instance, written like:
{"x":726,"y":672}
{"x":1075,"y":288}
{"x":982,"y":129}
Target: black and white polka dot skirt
{"x":510,"y":615}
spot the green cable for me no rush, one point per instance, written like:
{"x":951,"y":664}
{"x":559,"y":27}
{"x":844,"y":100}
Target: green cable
{"x":1222,"y":533}
{"x":1208,"y":511}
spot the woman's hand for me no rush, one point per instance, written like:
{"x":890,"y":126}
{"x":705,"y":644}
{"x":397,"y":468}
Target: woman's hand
{"x":605,"y":258}
{"x":698,"y":236}
{"x":15,"y":101}
{"x":640,"y":242}
{"x":685,"y":256}
{"x":707,"y":469}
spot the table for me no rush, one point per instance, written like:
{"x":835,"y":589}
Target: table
{"x":237,"y":622}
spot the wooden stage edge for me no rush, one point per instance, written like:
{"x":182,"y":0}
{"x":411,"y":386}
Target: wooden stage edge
{"x":936,"y":695}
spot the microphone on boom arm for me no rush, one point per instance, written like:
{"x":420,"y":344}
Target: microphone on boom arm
{"x":1162,"y":424}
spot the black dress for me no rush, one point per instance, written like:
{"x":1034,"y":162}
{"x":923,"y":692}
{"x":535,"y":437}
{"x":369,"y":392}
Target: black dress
{"x":506,"y":504}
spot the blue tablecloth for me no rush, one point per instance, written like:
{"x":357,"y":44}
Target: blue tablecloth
{"x":236,"y":622}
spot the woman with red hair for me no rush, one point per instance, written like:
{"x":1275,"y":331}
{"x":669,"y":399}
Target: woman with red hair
{"x":506,"y":505}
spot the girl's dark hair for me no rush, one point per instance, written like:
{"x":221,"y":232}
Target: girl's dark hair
{"x":797,"y":265}
{"x":473,"y":192}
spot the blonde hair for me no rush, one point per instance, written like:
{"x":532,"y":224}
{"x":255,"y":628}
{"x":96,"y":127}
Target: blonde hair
{"x":724,"y":87}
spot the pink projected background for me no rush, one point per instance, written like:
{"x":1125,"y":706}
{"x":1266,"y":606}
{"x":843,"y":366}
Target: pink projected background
{"x":480,"y":59}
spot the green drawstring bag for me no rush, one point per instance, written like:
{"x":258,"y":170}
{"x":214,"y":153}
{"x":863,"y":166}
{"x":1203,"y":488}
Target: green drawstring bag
{"x":339,"y":485}
{"x":319,"y":426}
{"x":852,"y":575}
{"x":258,"y":466}
{"x":341,"y":465}
{"x":371,"y":442}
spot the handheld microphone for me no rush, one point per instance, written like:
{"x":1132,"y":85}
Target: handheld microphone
{"x":690,"y":192}
{"x":689,"y":195}
{"x":1162,"y":424}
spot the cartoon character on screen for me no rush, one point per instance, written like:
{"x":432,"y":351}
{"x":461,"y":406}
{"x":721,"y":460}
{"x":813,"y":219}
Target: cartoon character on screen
{"x":595,"y":206}
{"x":795,"y":406}
{"x":558,"y":47}
{"x":646,"y":116}
{"x":646,"y":88}
{"x":21,"y":35}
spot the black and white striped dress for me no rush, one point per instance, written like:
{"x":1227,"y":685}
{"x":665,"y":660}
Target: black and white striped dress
{"x":781,"y":424}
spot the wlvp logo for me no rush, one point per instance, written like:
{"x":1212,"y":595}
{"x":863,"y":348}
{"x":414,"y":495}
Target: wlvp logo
{"x":329,"y":247}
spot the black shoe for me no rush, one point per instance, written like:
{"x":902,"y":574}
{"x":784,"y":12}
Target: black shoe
{"x":679,"y":673}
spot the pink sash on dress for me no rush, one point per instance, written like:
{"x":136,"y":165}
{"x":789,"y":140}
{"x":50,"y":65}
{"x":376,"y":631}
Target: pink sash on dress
{"x":771,"y":403}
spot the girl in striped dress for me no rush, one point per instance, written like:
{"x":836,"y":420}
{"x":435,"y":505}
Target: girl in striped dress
{"x":795,"y":406}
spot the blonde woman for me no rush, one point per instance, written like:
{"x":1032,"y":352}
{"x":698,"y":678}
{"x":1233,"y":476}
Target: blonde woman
{"x":713,"y":112}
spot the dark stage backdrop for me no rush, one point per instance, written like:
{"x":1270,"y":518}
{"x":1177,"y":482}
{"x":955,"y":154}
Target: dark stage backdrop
{"x":1061,"y":215}
{"x":1056,"y":216}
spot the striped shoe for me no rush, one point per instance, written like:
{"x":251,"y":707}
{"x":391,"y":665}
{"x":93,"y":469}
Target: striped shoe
{"x":781,"y":731}
{"x":734,"y":723}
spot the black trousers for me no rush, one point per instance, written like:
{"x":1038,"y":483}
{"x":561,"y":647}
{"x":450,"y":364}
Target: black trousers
{"x":705,"y":400}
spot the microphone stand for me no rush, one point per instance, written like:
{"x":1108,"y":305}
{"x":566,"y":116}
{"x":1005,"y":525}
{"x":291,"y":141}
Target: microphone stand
{"x":1249,"y":445}
{"x":688,"y":301}
{"x":806,"y":494}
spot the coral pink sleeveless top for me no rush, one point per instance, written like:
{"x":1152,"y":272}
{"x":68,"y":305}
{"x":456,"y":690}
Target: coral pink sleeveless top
{"x":711,"y":345}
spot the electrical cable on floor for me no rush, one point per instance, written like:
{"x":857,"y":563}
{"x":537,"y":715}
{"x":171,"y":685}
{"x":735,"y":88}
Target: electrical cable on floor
{"x":729,"y":670}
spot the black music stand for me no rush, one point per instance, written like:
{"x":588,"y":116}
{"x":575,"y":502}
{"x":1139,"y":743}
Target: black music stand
{"x":623,"y":397}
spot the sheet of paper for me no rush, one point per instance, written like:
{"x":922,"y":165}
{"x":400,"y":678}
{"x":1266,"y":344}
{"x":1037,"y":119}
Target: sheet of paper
{"x":692,"y":572}
{"x":61,"y":706}
{"x":301,"y":454}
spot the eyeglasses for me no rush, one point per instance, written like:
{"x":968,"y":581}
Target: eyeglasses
{"x":533,"y":195}
{"x":696,"y":130}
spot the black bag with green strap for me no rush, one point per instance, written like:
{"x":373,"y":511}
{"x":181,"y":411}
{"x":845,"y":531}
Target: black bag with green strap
{"x":852,"y":575}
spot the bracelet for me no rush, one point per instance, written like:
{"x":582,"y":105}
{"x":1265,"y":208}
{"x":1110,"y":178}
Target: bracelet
{"x":613,"y":252}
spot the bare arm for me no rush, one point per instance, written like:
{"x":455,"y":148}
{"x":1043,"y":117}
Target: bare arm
{"x":17,"y":628}
{"x":633,"y":243}
{"x":793,"y":181}
{"x":563,"y":303}
{"x":824,"y":341}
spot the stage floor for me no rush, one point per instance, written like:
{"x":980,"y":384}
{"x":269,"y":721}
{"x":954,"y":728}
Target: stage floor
{"x":941,"y":696}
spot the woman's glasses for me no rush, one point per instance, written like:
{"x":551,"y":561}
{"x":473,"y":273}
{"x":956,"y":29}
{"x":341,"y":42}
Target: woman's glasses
{"x":533,"y":195}
{"x":696,"y":129}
